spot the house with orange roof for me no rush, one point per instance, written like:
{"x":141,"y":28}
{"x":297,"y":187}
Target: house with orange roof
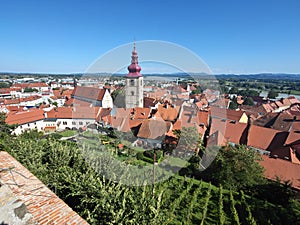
{"x":39,"y":86}
{"x":29,"y":101}
{"x":230,"y":131}
{"x":283,"y":170}
{"x":191,"y":117}
{"x":152,"y":132}
{"x":168,"y":112}
{"x":273,"y":143}
{"x":25,"y":120}
{"x":95,"y":96}
{"x":5,"y":93}
{"x":63,"y":118}
{"x":229,"y":114}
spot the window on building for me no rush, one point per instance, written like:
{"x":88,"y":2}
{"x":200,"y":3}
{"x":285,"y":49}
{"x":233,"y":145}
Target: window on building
{"x":65,"y":123}
{"x":131,"y":82}
{"x":141,"y":82}
{"x":132,"y":92}
{"x":73,"y":123}
{"x":80,"y":123}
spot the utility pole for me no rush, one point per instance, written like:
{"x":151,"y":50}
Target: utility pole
{"x":154,"y":160}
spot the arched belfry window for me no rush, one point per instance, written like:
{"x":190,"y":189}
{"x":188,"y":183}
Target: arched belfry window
{"x":132,"y":92}
{"x":132,"y":82}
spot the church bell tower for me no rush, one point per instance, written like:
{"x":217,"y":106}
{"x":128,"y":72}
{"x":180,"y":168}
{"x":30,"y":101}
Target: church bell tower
{"x":134,"y":83}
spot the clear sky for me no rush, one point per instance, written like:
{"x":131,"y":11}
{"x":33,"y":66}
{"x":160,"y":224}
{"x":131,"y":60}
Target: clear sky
{"x":231,"y":36}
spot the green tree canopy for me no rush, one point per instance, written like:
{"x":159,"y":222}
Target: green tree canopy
{"x":235,"y":167}
{"x":30,"y":89}
{"x":234,"y":90}
{"x":233,"y":103}
{"x":272,"y":94}
{"x":249,"y":101}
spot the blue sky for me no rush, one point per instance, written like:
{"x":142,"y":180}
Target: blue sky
{"x":231,"y":36}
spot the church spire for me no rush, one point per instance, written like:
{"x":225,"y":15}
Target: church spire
{"x":134,"y":69}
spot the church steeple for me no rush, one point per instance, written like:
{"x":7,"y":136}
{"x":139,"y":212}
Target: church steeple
{"x":134,"y":83}
{"x":134,"y":68}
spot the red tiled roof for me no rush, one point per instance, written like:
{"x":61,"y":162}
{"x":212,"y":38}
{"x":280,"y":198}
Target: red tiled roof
{"x":168,"y":112}
{"x":89,"y":93}
{"x":267,"y":120}
{"x":153,"y":129}
{"x":141,"y":113}
{"x":23,"y":117}
{"x":104,"y":112}
{"x":293,"y":100}
{"x":31,"y":85}
{"x":149,"y":102}
{"x":4,"y":90}
{"x":40,"y":201}
{"x":76,"y":102}
{"x":293,"y":138}
{"x":257,"y":140}
{"x":266,"y":138}
{"x":13,"y":108}
{"x":283,"y":122}
{"x":19,"y":100}
{"x":177,"y":125}
{"x":216,"y":138}
{"x":189,"y":118}
{"x":203,"y":118}
{"x":73,"y":112}
{"x":282,"y":169}
{"x":226,"y":113}
{"x":231,"y":132}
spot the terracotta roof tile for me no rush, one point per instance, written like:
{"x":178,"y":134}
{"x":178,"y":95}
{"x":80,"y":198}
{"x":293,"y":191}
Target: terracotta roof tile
{"x":267,"y":120}
{"x":141,"y":113}
{"x":89,"y":93}
{"x":231,"y":132}
{"x":283,"y":121}
{"x":293,"y":138}
{"x":282,"y":169}
{"x":226,"y":113}
{"x":203,"y":118}
{"x":168,"y":112}
{"x":270,"y":140}
{"x":23,"y":117}
{"x":41,"y":202}
{"x":153,"y":129}
{"x":73,"y":112}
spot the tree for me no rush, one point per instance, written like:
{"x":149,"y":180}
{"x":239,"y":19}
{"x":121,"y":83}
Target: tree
{"x":4,"y":127}
{"x":30,"y":89}
{"x":233,"y":103}
{"x":249,"y":101}
{"x":235,"y":167}
{"x":4,"y":85}
{"x":272,"y":94}
{"x":118,"y":97}
{"x":234,"y":90}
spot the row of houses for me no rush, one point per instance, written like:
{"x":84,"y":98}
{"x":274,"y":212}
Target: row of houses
{"x":275,"y":133}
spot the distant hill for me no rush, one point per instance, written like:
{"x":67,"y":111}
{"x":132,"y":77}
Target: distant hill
{"x":180,"y":75}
